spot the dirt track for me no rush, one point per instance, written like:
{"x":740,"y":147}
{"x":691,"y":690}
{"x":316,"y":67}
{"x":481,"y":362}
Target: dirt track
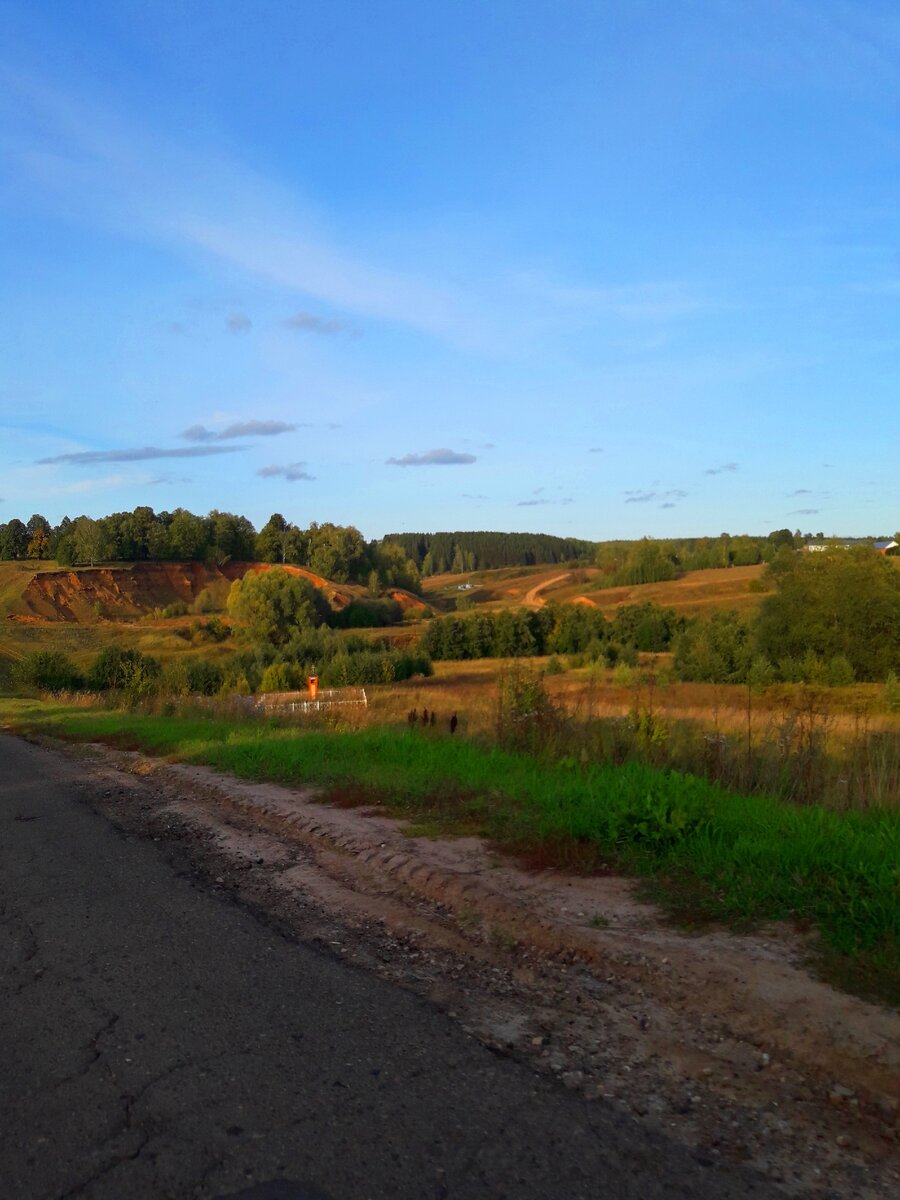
{"x":533,"y":597}
{"x":724,"y":1042}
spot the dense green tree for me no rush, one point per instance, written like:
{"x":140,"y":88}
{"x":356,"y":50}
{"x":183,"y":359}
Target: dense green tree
{"x":89,"y":540}
{"x":277,"y":542}
{"x":393,"y":568}
{"x":717,"y":650}
{"x":232,"y":538}
{"x":645,"y":626}
{"x":188,"y":536}
{"x":13,"y":539}
{"x":837,"y":603}
{"x":272,"y":606}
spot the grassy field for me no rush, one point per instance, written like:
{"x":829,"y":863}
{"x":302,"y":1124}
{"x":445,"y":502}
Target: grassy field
{"x":710,"y":853}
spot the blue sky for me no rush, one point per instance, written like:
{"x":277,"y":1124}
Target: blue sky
{"x":600,"y":269}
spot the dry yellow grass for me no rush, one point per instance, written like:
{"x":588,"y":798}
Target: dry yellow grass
{"x":698,"y":592}
{"x":471,"y":690}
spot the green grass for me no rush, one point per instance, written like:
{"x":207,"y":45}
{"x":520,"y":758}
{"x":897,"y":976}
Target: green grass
{"x":709,"y":853}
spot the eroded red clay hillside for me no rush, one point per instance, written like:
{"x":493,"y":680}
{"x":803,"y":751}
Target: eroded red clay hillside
{"x":138,"y":588}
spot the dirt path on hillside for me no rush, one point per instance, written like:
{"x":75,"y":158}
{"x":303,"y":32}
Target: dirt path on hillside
{"x":533,"y":596}
{"x":723,"y":1041}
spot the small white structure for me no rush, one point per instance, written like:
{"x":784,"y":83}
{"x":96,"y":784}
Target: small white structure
{"x":296,"y":703}
{"x":850,"y":544}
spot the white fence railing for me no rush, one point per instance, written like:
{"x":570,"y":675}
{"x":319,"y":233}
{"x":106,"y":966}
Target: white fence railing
{"x":302,"y":702}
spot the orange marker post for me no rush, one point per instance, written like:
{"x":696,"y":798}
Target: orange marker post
{"x":313,"y":682}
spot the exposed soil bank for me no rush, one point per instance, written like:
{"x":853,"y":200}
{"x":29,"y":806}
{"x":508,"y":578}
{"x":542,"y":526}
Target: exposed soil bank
{"x":134,"y":590}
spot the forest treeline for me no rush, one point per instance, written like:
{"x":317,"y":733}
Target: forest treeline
{"x":570,"y":629}
{"x":341,"y":553}
{"x":623,"y":563}
{"x":337,"y":552}
{"x":483,"y":550}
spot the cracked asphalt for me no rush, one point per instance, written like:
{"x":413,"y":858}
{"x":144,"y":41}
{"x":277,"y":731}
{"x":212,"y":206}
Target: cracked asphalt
{"x":161,"y":1041}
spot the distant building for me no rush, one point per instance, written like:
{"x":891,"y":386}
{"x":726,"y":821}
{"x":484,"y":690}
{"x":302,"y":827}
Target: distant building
{"x":883,"y":547}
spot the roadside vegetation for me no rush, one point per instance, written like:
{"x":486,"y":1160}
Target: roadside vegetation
{"x":538,"y":786}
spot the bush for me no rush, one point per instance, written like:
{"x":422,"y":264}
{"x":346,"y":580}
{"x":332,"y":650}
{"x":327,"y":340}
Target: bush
{"x":716,"y":650}
{"x":367,"y":666}
{"x":527,"y":719}
{"x":50,"y":670}
{"x":367,"y":614}
{"x":204,"y":678}
{"x":279,"y":677}
{"x":623,"y":675}
{"x":210,"y":599}
{"x":125,"y":670}
{"x":174,"y":678}
{"x":839,"y":672}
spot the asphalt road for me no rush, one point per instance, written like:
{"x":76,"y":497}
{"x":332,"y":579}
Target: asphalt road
{"x":160,"y":1041}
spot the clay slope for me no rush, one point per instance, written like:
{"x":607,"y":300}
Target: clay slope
{"x":132,"y":591}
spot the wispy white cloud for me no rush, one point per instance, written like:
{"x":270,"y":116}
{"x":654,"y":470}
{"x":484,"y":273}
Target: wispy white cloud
{"x":432,"y":458}
{"x":292,"y":472}
{"x":730,"y":466}
{"x":240,"y":429}
{"x":104,"y":169}
{"x":138,"y":454}
{"x":305,"y":322}
{"x":238,"y":322}
{"x":637,"y":496}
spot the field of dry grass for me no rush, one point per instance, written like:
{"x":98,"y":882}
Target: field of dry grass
{"x":698,"y":592}
{"x":471,"y":689}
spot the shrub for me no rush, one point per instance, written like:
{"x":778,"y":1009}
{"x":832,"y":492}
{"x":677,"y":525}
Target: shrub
{"x":204,"y":678}
{"x":892,"y":692}
{"x":49,"y":669}
{"x":839,"y":672}
{"x":279,"y":677}
{"x":527,"y":719}
{"x":174,"y":678}
{"x":623,"y":675}
{"x":210,"y":599}
{"x":124,"y":670}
